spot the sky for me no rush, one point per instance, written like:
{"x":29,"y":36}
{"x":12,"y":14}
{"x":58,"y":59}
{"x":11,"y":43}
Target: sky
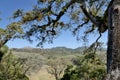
{"x":66,"y":39}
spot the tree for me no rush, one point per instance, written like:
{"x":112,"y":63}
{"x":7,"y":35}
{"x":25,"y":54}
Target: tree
{"x":113,"y":43}
{"x":49,"y":13}
{"x":10,"y":67}
{"x":3,"y":50}
{"x":12,"y":31}
{"x":50,"y":18}
{"x":45,"y":21}
{"x":56,"y":67}
{"x":86,"y":67}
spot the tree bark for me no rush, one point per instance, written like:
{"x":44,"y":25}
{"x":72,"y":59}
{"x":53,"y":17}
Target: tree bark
{"x":113,"y":52}
{"x":110,"y":41}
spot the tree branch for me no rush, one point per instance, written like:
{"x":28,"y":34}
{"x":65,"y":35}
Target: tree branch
{"x":88,"y":15}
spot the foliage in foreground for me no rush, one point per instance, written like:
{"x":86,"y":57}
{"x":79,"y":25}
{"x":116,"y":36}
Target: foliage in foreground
{"x":10,"y":67}
{"x":88,"y":67}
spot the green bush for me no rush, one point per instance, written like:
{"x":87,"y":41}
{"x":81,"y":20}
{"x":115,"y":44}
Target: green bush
{"x":10,"y":67}
{"x":88,"y":67}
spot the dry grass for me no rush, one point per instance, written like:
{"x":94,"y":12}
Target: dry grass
{"x":42,"y":75}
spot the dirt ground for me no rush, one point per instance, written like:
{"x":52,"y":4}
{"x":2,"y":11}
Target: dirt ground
{"x":42,"y":74}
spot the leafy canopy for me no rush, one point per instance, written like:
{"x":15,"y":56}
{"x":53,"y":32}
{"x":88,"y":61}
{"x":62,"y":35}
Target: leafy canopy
{"x":49,"y":17}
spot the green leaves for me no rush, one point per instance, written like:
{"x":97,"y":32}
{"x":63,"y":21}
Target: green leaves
{"x":13,"y":30}
{"x":11,"y":68}
{"x":49,"y":17}
{"x":2,"y":31}
{"x":87,"y":68}
{"x":15,"y":27}
{"x":4,"y":49}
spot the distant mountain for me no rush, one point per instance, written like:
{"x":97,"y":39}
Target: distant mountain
{"x":53,"y":51}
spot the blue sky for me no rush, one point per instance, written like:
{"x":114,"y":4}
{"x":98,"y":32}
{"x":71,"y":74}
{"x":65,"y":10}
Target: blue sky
{"x":7,"y":7}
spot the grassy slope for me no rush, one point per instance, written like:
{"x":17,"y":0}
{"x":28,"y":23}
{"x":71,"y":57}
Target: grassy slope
{"x":37,"y":58}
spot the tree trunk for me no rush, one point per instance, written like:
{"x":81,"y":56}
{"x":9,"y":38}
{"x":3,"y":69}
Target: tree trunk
{"x":113,"y":53}
{"x":56,"y":77}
